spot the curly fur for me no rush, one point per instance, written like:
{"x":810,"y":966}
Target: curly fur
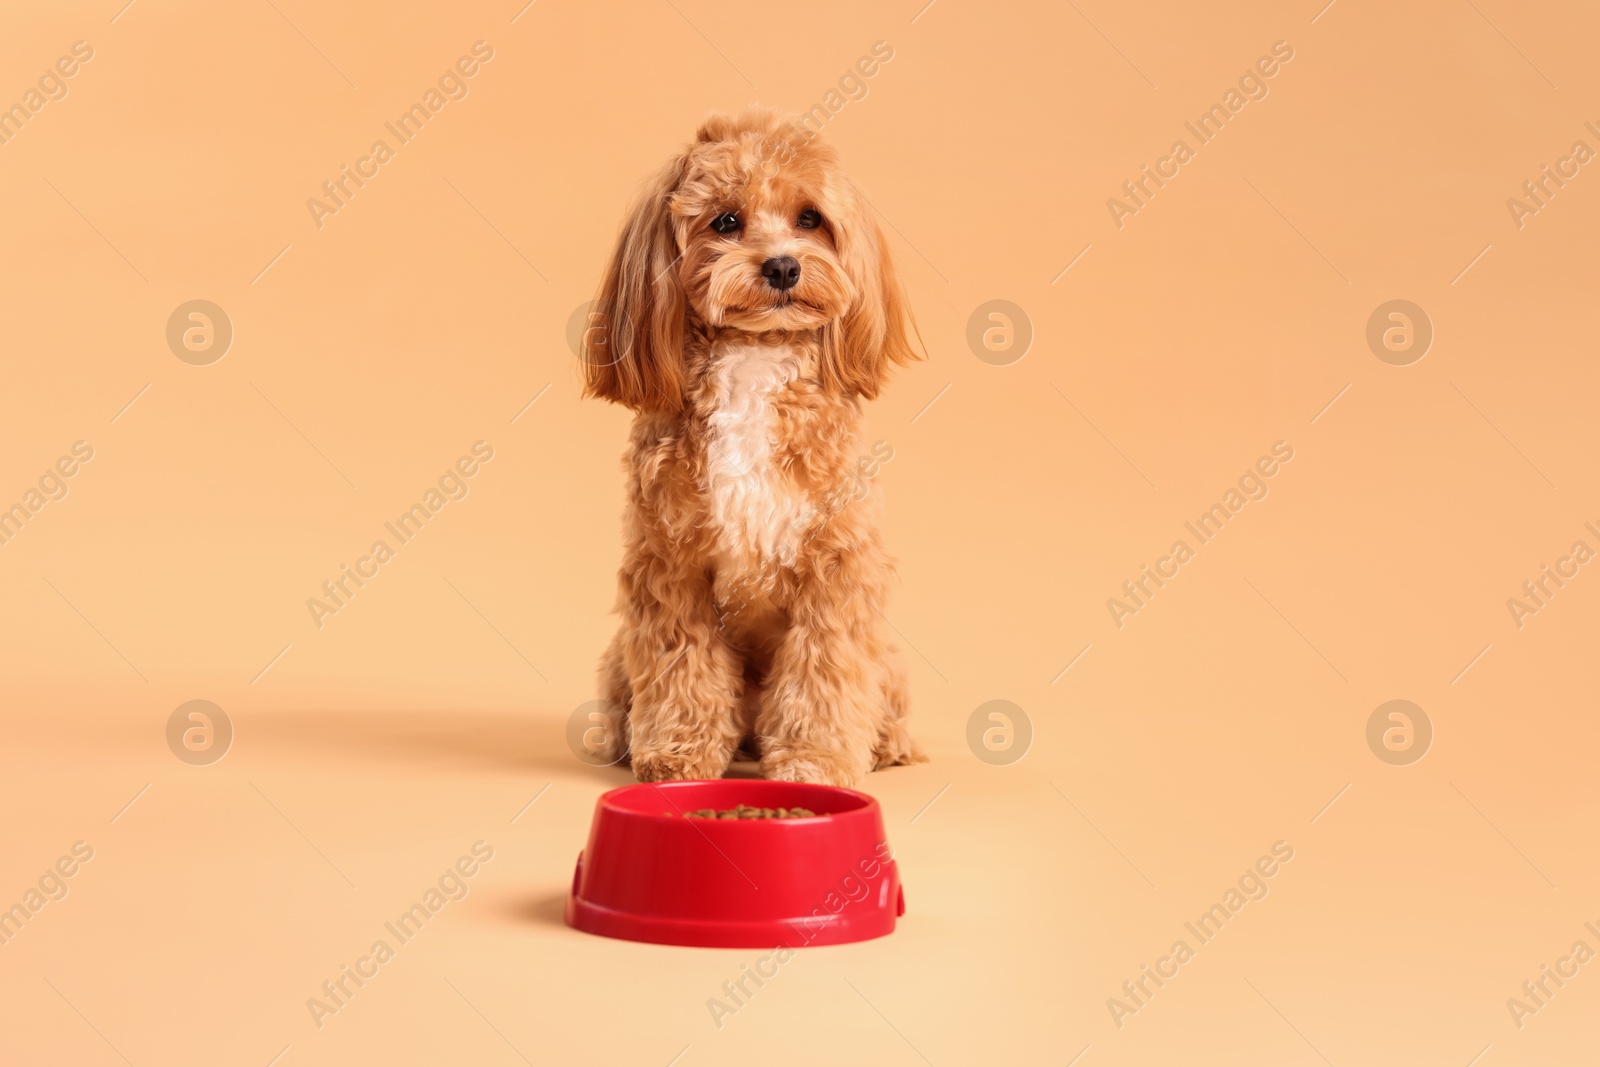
{"x":751,"y":600}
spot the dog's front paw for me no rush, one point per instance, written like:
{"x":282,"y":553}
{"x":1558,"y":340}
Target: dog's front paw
{"x":896,"y":748}
{"x":814,"y":766}
{"x":672,"y":767}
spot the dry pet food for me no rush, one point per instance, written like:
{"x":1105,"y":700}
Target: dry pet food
{"x":744,"y":811}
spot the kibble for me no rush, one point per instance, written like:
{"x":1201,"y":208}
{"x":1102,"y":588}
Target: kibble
{"x":745,"y":811}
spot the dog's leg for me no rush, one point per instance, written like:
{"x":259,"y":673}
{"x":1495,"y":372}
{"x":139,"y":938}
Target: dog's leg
{"x":750,"y":708}
{"x":616,"y":698}
{"x":824,"y":709}
{"x":687,"y":683}
{"x":895,"y":743}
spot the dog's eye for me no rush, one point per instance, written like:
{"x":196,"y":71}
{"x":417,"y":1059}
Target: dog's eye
{"x":809,"y":219}
{"x":726,"y":222}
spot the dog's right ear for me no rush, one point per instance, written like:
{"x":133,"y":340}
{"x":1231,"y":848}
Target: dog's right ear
{"x":632,"y":350}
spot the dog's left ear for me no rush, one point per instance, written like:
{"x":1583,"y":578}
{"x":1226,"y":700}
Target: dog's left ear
{"x":859,"y":348}
{"x":632,"y":352}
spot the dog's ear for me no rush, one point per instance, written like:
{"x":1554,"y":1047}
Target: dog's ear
{"x":859,"y":348}
{"x":632,"y":350}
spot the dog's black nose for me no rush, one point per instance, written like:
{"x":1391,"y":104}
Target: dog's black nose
{"x":781,"y":272}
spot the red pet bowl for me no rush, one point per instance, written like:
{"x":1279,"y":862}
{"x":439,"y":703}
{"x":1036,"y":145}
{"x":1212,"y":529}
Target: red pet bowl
{"x":650,"y":873}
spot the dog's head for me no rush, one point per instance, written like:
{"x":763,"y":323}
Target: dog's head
{"x":753,"y":227}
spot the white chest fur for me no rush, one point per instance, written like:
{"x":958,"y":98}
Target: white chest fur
{"x":759,"y":516}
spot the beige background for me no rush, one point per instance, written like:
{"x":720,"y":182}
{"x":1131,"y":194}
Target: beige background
{"x":428,"y":313}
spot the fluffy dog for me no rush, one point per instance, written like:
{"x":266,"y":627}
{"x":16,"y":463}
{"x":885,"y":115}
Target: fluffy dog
{"x":748,"y":309}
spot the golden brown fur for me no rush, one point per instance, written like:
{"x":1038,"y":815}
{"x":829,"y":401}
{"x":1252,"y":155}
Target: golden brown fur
{"x":751,"y":599}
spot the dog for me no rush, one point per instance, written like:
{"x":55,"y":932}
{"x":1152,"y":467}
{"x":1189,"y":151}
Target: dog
{"x":748,"y":309}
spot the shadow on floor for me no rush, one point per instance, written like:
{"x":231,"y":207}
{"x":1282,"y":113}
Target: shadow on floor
{"x":548,"y":910}
{"x":508,"y":741}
